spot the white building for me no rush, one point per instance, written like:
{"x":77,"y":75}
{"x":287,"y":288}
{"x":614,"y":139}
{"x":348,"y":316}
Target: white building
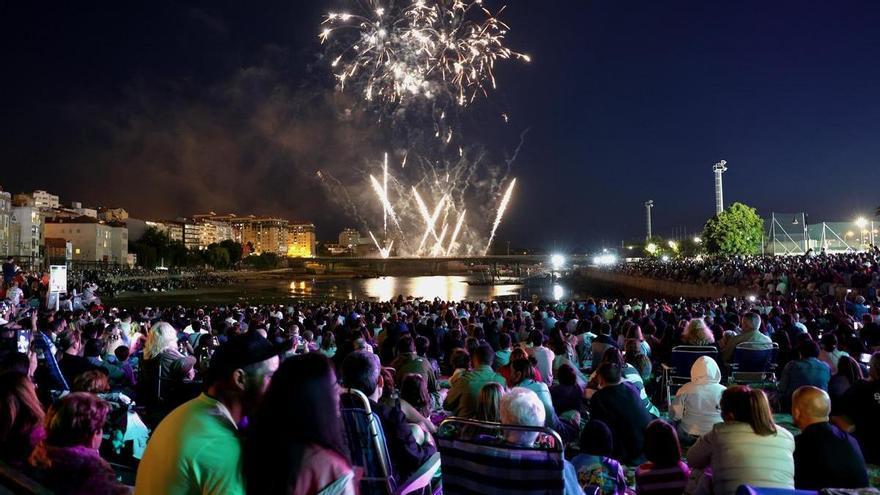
{"x":5,"y":223}
{"x":43,"y":199}
{"x":349,"y":238}
{"x":77,"y":207}
{"x":90,"y":239}
{"x":26,"y":226}
{"x":301,"y":240}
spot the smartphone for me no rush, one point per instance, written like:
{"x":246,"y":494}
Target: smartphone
{"x":23,"y":340}
{"x":865,"y":358}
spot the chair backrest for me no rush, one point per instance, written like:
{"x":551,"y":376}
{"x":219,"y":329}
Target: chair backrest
{"x":754,"y":357}
{"x":684,"y":356}
{"x":484,"y":464}
{"x":15,"y":481}
{"x":366,"y":443}
{"x":755,"y":490}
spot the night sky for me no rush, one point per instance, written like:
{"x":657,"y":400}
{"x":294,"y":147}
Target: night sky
{"x":174,"y":108}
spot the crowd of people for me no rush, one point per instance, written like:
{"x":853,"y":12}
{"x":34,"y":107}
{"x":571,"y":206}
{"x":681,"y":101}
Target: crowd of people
{"x":810,"y":274}
{"x":244,"y":399}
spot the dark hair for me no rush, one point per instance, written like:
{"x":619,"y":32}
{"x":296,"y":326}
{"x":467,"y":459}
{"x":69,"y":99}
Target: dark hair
{"x":661,"y":444}
{"x":94,"y":348}
{"x":20,"y":414}
{"x":299,"y":410}
{"x":406,"y":344}
{"x":610,"y":372}
{"x":422,"y":345}
{"x":460,"y":358}
{"x":829,"y":342}
{"x":360,"y":370}
{"x":596,"y":439}
{"x":566,"y":375}
{"x":525,"y":367}
{"x":750,"y":406}
{"x":849,"y":368}
{"x":484,"y":354}
{"x":536,"y":338}
{"x":122,"y":352}
{"x":75,"y":419}
{"x":92,"y":381}
{"x":328,"y":340}
{"x":414,"y":389}
{"x":504,"y":340}
{"x":808,"y":349}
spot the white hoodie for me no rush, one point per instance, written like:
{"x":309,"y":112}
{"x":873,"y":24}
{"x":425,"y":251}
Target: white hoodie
{"x":698,"y":403}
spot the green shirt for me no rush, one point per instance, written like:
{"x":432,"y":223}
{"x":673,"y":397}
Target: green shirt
{"x":194,"y":450}
{"x":465,"y":391}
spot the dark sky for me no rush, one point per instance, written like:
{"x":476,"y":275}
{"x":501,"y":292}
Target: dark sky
{"x":172,"y":108}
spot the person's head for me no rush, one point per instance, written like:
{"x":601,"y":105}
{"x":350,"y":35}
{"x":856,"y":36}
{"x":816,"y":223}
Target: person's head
{"x":360,"y":371}
{"x":808,"y":349}
{"x":422,"y":345}
{"x":328,"y":340}
{"x":483,"y":355}
{"x":406,"y":344}
{"x":76,"y":420}
{"x":161,"y":336}
{"x":521,"y":369}
{"x":489,"y":402}
{"x":122,"y":352}
{"x":829,"y":342}
{"x":518,"y":353}
{"x":20,"y":410}
{"x":810,"y":405}
{"x":504,"y":341}
{"x":566,"y":375}
{"x":697,"y":331}
{"x":875,"y":367}
{"x":536,"y":338}
{"x":241,"y":369}
{"x":849,"y":368}
{"x":609,"y":374}
{"x":596,"y":439}
{"x":300,"y":409}
{"x":93,"y":382}
{"x":661,"y":444}
{"x":747,"y":405}
{"x":94,"y":348}
{"x":414,"y":389}
{"x":460,"y":359}
{"x":522,"y":407}
{"x":750,"y":322}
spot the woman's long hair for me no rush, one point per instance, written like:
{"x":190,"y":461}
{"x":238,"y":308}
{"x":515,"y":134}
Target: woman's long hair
{"x":300,"y":409}
{"x":20,"y":413}
{"x":161,"y":336}
{"x":850,"y":369}
{"x":750,"y":406}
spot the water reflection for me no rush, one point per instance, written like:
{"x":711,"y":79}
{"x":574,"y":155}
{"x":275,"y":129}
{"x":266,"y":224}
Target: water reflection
{"x":447,"y":288}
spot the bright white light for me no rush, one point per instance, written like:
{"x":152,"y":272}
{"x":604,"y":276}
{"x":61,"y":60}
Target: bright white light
{"x":651,"y":248}
{"x":558,"y":292}
{"x":557,"y":260}
{"x":697,"y":240}
{"x":752,"y":298}
{"x":673,"y":245}
{"x":665,"y":257}
{"x":861,"y":222}
{"x":604,"y":259}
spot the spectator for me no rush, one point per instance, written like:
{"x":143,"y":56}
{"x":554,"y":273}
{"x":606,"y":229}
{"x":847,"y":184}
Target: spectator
{"x":407,"y":361}
{"x":618,"y":405}
{"x":594,"y":466}
{"x":862,"y":408}
{"x":522,"y":407}
{"x":72,"y":362}
{"x":602,"y":343}
{"x":696,"y":406}
{"x":697,"y":333}
{"x":460,"y":360}
{"x":295,"y":445}
{"x":751,"y":325}
{"x":543,"y":355}
{"x":829,"y":353}
{"x":489,"y":403}
{"x":848,"y":373}
{"x":462,"y":397}
{"x":664,"y":473}
{"x":196,"y":447}
{"x":416,"y":404}
{"x":507,"y":370}
{"x":161,"y":345}
{"x":567,"y":395}
{"x":524,"y":377}
{"x":21,"y":418}
{"x":328,"y":345}
{"x":747,"y":448}
{"x":502,"y":355}
{"x":824,"y":456}
{"x":361,"y":371}
{"x":634,"y":357}
{"x":807,"y":370}
{"x":67,"y":460}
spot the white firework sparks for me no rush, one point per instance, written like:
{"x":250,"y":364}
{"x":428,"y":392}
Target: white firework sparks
{"x":501,"y":207}
{"x":424,"y":49}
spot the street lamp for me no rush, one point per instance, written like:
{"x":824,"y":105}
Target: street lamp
{"x":697,"y":240}
{"x":651,"y":248}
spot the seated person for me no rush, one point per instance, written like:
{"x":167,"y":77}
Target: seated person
{"x":461,"y":400}
{"x":594,"y":466}
{"x":361,"y":371}
{"x":524,"y":376}
{"x":67,"y":459}
{"x":664,"y":473}
{"x":522,"y":407}
{"x":618,"y":405}
{"x":696,"y":406}
{"x":807,"y":370}
{"x":567,"y":395}
{"x":824,"y":455}
{"x":747,"y":448}
{"x":862,"y":408}
{"x":21,"y":418}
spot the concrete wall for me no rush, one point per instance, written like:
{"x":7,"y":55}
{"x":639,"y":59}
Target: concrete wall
{"x":664,"y":287}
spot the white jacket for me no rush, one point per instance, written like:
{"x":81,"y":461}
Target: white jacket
{"x":698,"y":403}
{"x":737,"y":456}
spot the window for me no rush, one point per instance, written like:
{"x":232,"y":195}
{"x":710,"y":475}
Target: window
{"x":77,"y":251}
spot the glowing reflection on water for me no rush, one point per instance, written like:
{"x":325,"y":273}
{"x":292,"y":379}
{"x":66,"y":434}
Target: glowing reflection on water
{"x":447,"y":288}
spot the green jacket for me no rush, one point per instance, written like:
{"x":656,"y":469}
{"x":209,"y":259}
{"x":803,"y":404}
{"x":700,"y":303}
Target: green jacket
{"x":462,"y":397}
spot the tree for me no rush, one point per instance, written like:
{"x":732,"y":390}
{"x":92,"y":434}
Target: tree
{"x":217,"y":256}
{"x":234,"y":249}
{"x":736,"y":230}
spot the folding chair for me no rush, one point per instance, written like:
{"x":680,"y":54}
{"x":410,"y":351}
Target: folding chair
{"x":678,"y":372}
{"x":369,"y":450}
{"x":755,"y":490}
{"x":485,"y":465}
{"x":753,"y":363}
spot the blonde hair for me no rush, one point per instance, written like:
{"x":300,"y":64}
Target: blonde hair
{"x":489,"y":402}
{"x":697,"y":333}
{"x":160,"y":337}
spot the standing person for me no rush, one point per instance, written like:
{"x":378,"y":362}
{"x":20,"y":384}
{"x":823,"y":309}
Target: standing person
{"x":196,"y":449}
{"x":462,"y":397}
{"x":824,"y":456}
{"x":862,"y":408}
{"x":747,"y":448}
{"x":295,"y":445}
{"x":617,"y":404}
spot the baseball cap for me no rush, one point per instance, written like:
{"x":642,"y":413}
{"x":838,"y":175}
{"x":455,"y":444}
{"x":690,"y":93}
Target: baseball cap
{"x":243,"y":350}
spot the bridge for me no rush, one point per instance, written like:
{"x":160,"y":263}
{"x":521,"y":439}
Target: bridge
{"x":493,"y":265}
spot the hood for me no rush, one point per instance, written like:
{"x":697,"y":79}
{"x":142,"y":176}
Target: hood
{"x":705,"y":370}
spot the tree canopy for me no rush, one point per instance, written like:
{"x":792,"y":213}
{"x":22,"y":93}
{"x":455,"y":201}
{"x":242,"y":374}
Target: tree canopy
{"x":736,"y":230}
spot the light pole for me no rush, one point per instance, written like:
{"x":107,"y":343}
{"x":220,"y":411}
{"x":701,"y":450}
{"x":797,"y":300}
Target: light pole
{"x":719,"y":168}
{"x":648,"y":206}
{"x":861,"y":223}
